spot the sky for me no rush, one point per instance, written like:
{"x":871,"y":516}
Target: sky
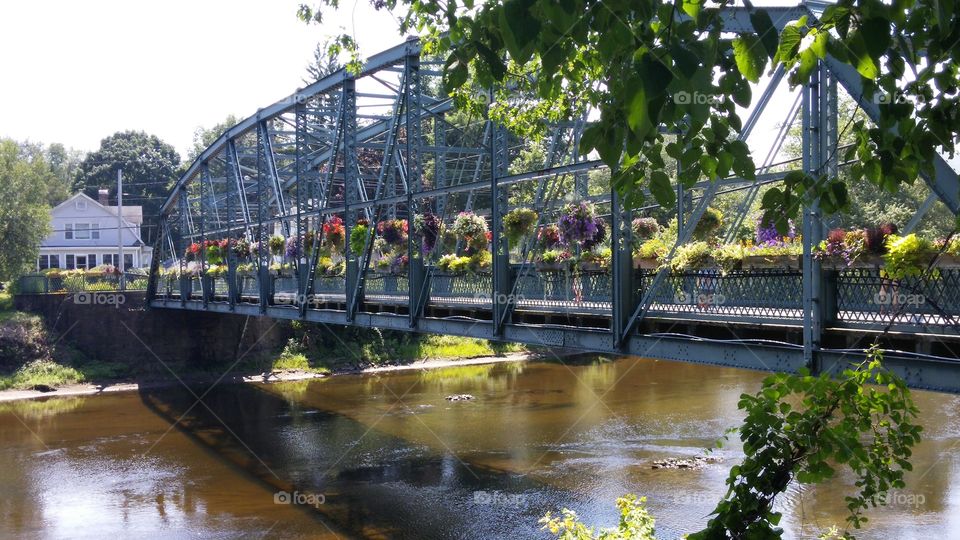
{"x":75,"y":72}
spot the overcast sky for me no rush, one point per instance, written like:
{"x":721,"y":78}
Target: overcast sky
{"x":75,"y":72}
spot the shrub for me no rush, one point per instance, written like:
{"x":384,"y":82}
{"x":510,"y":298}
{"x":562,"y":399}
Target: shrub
{"x":654,"y":248}
{"x":907,"y":256}
{"x":692,"y":256}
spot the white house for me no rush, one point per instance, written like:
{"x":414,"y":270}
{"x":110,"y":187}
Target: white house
{"x":85,"y":235}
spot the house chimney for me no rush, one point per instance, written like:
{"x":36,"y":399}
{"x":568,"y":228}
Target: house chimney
{"x":103,"y":197}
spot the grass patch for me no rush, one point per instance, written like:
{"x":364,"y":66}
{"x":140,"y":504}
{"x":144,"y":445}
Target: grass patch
{"x":41,"y":373}
{"x":291,"y":361}
{"x":435,"y":347}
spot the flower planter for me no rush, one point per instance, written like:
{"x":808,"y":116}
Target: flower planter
{"x":758,"y":262}
{"x":833,"y":263}
{"x":592,"y":267}
{"x":645,"y":263}
{"x":867,"y":261}
{"x":552,"y":267}
{"x":948,"y":262}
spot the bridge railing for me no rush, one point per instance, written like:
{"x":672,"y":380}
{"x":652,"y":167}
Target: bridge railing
{"x":80,"y":282}
{"x":856,"y":297}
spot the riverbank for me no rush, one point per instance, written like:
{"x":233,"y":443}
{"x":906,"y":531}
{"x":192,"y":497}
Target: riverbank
{"x":87,"y":389}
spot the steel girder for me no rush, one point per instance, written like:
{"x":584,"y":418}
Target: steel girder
{"x":319,"y":163}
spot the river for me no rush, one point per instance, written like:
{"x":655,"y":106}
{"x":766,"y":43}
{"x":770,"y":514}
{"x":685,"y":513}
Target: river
{"x":387,"y":456}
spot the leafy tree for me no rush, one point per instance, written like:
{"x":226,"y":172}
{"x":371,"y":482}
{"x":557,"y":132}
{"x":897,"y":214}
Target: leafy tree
{"x":799,"y":428}
{"x":64,"y":164}
{"x":204,"y":137}
{"x":25,"y":177}
{"x":324,"y":63}
{"x":150,"y":168}
{"x":653,"y":66}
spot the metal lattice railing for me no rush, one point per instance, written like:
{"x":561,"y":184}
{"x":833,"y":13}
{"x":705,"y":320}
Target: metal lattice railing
{"x":565,"y":291}
{"x":866,"y":297}
{"x":753,"y":294}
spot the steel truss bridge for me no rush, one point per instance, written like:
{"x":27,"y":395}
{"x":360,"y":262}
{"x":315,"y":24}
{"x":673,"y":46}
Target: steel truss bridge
{"x":387,"y":143}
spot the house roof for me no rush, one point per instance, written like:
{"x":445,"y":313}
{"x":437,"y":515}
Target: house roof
{"x":132,"y":215}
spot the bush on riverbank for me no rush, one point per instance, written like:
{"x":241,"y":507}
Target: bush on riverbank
{"x":32,"y":357}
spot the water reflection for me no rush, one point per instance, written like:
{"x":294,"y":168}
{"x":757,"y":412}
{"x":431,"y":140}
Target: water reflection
{"x":393,"y":458}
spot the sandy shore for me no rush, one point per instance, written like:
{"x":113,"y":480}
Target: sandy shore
{"x":277,"y":376}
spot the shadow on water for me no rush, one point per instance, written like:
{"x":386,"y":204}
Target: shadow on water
{"x":373,"y":484}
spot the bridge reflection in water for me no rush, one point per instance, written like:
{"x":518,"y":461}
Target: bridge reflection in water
{"x":344,"y":202}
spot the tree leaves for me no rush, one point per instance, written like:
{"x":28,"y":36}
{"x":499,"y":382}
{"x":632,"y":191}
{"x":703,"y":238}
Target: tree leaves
{"x":749,"y":54}
{"x":661,"y":189}
{"x":519,"y":28}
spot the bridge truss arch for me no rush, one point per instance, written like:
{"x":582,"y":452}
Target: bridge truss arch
{"x":386,"y":144}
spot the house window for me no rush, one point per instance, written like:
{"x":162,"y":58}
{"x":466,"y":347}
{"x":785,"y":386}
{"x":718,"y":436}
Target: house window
{"x":81,"y":205}
{"x":91,"y":260}
{"x":95,"y":231}
{"x":109,"y":258}
{"x":48,"y":261}
{"x":127,"y":261}
{"x":68,"y":231}
{"x":71,"y":264}
{"x":81,"y":231}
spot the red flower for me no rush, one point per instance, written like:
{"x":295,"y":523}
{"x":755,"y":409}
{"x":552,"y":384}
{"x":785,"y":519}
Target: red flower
{"x":489,"y":236}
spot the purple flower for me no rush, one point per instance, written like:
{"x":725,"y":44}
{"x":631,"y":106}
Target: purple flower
{"x":294,"y":249}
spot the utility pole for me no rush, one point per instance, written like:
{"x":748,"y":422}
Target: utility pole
{"x":120,"y":227}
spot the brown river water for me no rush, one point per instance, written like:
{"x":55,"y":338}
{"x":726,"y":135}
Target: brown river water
{"x":386,"y":456}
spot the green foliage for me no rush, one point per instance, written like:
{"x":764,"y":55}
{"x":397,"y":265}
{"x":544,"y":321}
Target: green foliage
{"x":907,"y":256}
{"x":277,"y":244}
{"x":709,"y":224}
{"x":802,"y":427}
{"x":204,"y":137}
{"x":635,"y":523}
{"x":519,"y":223}
{"x":670,"y":67}
{"x":654,"y":248}
{"x":24,"y":213}
{"x":150,"y":167}
{"x":729,"y":256}
{"x":692,"y":256}
{"x":358,"y":238}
